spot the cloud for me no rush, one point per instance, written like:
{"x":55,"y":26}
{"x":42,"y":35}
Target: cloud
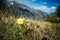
{"x":45,"y":8}
{"x":43,"y":2}
{"x":33,"y":0}
{"x":53,"y":7}
{"x":26,"y":0}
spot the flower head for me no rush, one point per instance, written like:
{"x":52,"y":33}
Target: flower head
{"x":20,"y":20}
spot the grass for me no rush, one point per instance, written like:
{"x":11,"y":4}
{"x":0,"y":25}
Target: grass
{"x":29,"y":30}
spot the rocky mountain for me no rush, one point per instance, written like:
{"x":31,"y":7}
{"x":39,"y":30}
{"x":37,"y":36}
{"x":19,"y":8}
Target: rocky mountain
{"x":25,"y":11}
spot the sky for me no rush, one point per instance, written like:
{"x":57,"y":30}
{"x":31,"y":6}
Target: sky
{"x":48,"y":6}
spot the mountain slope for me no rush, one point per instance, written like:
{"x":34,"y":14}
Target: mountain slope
{"x":23,"y":10}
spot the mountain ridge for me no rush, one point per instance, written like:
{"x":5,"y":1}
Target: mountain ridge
{"x":20,"y":9}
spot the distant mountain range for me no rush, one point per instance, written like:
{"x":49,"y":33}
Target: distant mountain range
{"x":25,"y":11}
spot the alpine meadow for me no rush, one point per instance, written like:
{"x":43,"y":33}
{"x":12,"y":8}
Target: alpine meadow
{"x":29,"y":20}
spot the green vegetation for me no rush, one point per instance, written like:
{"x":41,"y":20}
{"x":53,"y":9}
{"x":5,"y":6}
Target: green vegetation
{"x":54,"y":18}
{"x":2,"y":4}
{"x":58,"y":11}
{"x":30,"y":30}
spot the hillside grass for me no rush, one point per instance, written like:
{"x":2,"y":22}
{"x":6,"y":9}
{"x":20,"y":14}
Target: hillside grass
{"x":29,"y":30}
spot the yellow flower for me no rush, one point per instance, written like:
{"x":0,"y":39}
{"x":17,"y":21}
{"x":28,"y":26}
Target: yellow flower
{"x":20,"y":21}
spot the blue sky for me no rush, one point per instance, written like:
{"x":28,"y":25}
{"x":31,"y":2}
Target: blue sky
{"x":43,"y":5}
